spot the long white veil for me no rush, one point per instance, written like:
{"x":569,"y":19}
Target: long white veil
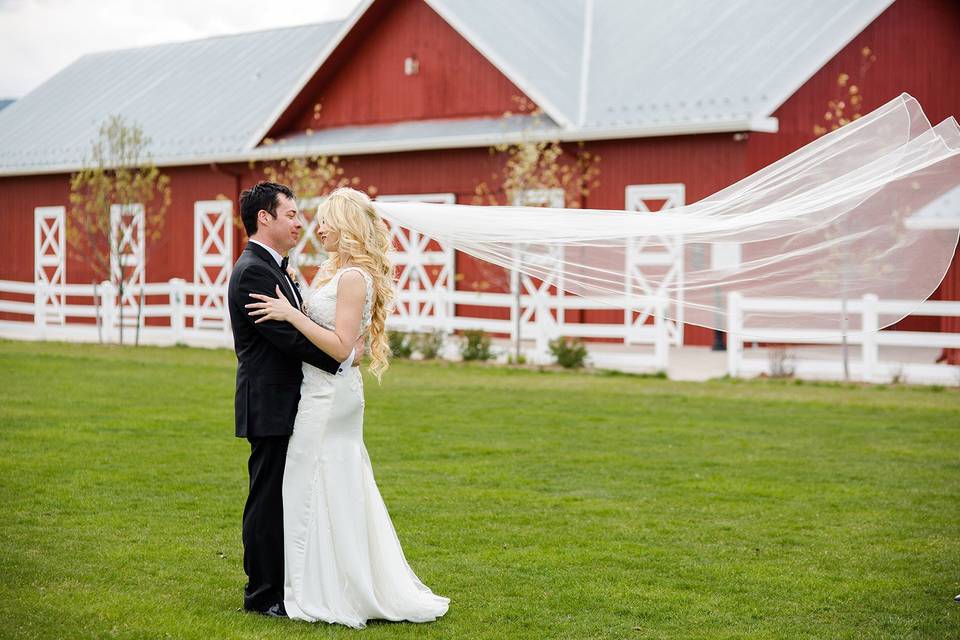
{"x":842,"y":217}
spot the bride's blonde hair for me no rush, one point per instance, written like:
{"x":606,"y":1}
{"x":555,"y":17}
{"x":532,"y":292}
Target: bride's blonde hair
{"x":365,"y":240}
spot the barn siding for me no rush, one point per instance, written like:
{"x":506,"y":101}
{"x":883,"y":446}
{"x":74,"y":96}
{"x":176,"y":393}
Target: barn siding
{"x":363,"y":82}
{"x":926,"y":72}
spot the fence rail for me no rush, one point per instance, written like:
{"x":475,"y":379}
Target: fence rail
{"x":192,"y":313}
{"x":869,"y":367}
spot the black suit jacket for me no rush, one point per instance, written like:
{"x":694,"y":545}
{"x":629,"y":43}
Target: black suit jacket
{"x":269,"y":354}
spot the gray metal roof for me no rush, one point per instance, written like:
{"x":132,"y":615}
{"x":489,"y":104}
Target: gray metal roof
{"x":598,"y":64}
{"x":408,"y":136}
{"x":598,"y":68}
{"x":199,"y":98}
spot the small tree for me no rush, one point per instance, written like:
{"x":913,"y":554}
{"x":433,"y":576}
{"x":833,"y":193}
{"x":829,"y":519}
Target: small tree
{"x":119,"y":172}
{"x":847,"y":105}
{"x":534,"y":165}
{"x":844,"y":108}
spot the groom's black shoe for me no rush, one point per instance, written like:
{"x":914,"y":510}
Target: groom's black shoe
{"x":276,"y":611}
{"x":273,"y":611}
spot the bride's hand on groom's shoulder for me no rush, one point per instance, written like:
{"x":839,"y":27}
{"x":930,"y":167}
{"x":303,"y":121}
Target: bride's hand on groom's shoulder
{"x":268,"y":308}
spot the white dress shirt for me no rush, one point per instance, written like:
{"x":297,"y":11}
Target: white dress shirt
{"x":346,"y":364}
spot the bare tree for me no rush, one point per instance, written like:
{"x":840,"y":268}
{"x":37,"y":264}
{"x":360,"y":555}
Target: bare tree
{"x":118,"y":172}
{"x":844,"y":108}
{"x":534,"y":166}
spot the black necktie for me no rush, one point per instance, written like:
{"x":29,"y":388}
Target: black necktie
{"x":296,"y":294}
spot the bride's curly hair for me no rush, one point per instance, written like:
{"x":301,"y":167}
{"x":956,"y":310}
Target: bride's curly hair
{"x":365,"y":239}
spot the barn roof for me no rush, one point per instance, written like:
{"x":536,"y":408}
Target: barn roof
{"x":627,"y":64}
{"x":200,"y":98}
{"x":598,"y":69}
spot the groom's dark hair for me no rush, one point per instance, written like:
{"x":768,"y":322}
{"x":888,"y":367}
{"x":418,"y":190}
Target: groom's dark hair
{"x":262,"y":195}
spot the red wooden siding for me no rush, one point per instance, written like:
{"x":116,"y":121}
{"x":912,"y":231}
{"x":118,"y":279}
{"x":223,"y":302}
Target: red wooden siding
{"x":915,"y":44}
{"x":18,"y":198}
{"x":363,"y":82}
{"x":170,"y":256}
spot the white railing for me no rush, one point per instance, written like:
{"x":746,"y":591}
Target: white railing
{"x":92,"y":313}
{"x":869,"y":367}
{"x":544,"y":326}
{"x":175,"y":312}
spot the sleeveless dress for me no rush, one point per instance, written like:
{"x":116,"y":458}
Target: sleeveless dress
{"x":342,"y":559}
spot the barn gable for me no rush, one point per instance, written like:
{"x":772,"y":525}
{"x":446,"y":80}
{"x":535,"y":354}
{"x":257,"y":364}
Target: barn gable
{"x":401,"y":62}
{"x":599,"y":69}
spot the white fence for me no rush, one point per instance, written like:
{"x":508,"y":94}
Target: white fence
{"x":176,"y":312}
{"x":179,"y":312}
{"x":869,"y":366}
{"x":89,"y":313}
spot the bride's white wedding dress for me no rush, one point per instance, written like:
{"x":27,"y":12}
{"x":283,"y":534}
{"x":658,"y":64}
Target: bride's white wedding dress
{"x":343,"y":561}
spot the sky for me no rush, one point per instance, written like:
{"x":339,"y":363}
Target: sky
{"x":38,"y":38}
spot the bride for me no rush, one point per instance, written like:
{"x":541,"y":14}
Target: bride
{"x":342,"y":559}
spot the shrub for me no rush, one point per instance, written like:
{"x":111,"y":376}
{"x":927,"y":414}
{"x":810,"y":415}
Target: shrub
{"x":475,"y":345}
{"x":400,"y":344}
{"x":430,"y":344}
{"x":781,"y":362}
{"x":570,"y":354}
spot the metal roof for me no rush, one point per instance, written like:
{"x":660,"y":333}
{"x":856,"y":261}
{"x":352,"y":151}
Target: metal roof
{"x":598,"y":69}
{"x":600,"y":64}
{"x":199,"y":98}
{"x":409,"y":136}
{"x":5,"y":103}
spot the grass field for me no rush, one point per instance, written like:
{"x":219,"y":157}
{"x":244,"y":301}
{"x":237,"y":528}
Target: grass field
{"x":545,"y":505}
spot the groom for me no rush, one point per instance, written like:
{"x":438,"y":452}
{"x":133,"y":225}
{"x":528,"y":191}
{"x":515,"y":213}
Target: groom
{"x":269,"y":373}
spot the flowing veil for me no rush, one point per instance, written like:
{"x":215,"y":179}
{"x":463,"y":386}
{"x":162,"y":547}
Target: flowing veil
{"x":842,"y":217}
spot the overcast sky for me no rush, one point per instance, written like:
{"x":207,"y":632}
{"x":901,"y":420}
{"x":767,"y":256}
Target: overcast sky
{"x":40,"y":37}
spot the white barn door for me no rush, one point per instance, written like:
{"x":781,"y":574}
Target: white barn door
{"x":654,"y":257}
{"x":212,"y":262}
{"x":543,"y":309}
{"x":425,"y":272}
{"x":127,"y":259}
{"x":50,"y":270}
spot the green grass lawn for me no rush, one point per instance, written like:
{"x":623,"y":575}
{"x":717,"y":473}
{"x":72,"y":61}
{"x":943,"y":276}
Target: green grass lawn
{"x":545,"y":505}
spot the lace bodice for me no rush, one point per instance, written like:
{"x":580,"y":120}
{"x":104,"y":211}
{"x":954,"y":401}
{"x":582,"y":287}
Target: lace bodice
{"x":320,"y":305}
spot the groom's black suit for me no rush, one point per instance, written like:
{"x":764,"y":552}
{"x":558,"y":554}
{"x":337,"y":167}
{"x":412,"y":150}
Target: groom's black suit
{"x":269,"y":373}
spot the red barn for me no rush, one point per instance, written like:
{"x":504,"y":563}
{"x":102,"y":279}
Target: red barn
{"x":678,"y":99}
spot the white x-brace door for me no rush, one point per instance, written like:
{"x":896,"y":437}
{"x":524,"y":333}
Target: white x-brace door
{"x":127,"y":257}
{"x":212,"y":262}
{"x":425,"y":272}
{"x":543,"y":308}
{"x":50,"y":270}
{"x":660,"y":256}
